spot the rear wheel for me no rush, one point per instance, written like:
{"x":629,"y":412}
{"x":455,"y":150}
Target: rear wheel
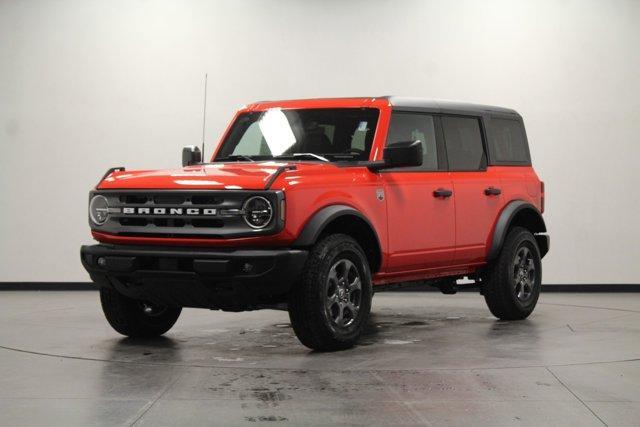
{"x":135,"y":318}
{"x":330,"y":306}
{"x":512,"y":284}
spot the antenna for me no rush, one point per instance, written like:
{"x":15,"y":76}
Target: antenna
{"x":204,"y":114}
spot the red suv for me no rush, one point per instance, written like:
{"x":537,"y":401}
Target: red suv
{"x":313,"y":205}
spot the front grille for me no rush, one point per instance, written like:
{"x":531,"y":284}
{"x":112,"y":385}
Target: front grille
{"x":183,"y":213}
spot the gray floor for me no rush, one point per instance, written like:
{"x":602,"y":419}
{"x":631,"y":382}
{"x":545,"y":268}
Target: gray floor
{"x":426,"y":359}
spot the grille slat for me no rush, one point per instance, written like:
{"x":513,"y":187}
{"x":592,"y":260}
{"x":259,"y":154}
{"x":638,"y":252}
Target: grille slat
{"x":133,"y":199}
{"x":169,"y":200}
{"x":206,"y":200}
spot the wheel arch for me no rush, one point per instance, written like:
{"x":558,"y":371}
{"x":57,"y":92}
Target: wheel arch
{"x":346,"y":220}
{"x":523,"y":214}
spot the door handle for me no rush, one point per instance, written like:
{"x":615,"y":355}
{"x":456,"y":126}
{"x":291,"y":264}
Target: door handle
{"x":442,"y":192}
{"x":492,"y":191}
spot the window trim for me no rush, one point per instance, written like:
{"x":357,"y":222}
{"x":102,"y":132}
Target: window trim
{"x":441,"y":152}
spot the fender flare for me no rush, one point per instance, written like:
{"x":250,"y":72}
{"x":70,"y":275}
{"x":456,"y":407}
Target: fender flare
{"x":319,"y":221}
{"x":504,"y":222}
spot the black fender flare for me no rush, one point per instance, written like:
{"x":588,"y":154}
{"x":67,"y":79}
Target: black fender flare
{"x":504,"y":222}
{"x":319,"y":221}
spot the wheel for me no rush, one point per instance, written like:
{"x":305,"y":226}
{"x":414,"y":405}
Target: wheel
{"x":331,"y":305}
{"x":135,"y":318}
{"x":512,"y":284}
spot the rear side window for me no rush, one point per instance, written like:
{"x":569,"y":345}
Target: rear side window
{"x":463,"y":140}
{"x":507,"y":142}
{"x":412,"y":127}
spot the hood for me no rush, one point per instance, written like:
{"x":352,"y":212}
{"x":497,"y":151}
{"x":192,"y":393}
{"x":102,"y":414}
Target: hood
{"x":215,"y":176}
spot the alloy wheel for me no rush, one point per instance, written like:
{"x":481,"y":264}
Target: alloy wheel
{"x":524,"y":274}
{"x":343,"y":293}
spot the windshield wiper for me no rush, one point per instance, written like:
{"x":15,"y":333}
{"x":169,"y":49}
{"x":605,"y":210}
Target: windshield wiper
{"x":236,"y":157}
{"x":294,"y":155}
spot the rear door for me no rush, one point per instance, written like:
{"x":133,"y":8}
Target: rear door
{"x":421,"y":223}
{"x":477,"y":188}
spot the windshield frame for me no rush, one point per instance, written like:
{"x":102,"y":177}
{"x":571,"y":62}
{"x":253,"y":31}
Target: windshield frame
{"x":370,"y":138}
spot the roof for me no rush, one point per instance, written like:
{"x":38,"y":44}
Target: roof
{"x":445,"y":106}
{"x":399,"y":102}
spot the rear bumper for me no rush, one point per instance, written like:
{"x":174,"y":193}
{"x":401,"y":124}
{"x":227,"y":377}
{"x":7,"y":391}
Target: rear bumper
{"x":222,"y":279}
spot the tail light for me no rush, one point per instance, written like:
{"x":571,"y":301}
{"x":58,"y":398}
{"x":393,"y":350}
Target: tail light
{"x":541,"y":196}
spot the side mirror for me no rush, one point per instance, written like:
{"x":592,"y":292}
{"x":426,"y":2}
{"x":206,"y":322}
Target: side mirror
{"x":403,"y":154}
{"x":191,"y":155}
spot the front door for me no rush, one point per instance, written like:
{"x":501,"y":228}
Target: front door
{"x":476,"y":188}
{"x":420,"y":200}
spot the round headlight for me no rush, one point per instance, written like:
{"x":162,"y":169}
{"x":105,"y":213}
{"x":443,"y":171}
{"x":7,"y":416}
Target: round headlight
{"x":257,"y":212}
{"x":99,"y":210}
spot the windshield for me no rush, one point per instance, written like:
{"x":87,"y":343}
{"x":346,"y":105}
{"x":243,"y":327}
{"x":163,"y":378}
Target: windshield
{"x":338,"y":134}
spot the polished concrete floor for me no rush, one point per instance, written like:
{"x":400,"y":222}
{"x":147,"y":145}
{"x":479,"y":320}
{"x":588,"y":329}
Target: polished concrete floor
{"x":426,"y":359}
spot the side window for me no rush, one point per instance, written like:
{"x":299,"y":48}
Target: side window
{"x":463,"y":140}
{"x":507,"y":142}
{"x":411,"y":127}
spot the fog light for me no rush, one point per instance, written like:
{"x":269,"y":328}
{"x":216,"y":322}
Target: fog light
{"x":102,"y":262}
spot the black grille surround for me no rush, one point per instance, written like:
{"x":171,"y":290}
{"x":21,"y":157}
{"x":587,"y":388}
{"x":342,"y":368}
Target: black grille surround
{"x":184,"y":213}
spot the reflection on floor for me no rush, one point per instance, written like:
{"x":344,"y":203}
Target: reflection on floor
{"x":425,"y":359}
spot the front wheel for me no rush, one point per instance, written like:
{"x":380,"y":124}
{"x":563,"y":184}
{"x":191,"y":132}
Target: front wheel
{"x":512,"y":284}
{"x":331,"y":305}
{"x":134,"y":318}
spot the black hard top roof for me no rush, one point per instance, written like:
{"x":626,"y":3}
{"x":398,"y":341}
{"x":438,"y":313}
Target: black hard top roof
{"x":436,"y":106}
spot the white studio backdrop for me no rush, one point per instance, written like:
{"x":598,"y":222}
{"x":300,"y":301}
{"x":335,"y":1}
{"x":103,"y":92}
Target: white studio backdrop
{"x":86,"y":85}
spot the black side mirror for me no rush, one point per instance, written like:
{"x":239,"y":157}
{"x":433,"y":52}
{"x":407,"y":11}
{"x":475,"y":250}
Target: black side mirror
{"x":403,"y":154}
{"x":191,"y":155}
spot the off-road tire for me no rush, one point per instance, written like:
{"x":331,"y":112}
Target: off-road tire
{"x":127,"y":316}
{"x":500,"y":287}
{"x":308,"y":301}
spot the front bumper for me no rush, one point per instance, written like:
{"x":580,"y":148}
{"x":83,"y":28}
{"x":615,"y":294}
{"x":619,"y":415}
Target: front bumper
{"x":219,"y":279}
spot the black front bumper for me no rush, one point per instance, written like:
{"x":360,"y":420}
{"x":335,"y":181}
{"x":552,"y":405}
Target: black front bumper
{"x":220,"y":279}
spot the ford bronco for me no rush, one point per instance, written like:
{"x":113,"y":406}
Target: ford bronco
{"x":313,"y":205}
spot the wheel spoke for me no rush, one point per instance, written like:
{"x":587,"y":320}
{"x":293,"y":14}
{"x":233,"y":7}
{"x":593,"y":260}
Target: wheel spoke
{"x":343,"y":269}
{"x":333,"y":275}
{"x":352,"y":308}
{"x":524,"y":253}
{"x":351,"y":271}
{"x":340,"y":317}
{"x":355,"y":285}
{"x":333,"y":299}
{"x":516,"y":261}
{"x":521,"y":291}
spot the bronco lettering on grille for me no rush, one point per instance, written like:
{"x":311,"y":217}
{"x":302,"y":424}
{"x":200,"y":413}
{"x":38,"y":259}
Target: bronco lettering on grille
{"x":168,"y":211}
